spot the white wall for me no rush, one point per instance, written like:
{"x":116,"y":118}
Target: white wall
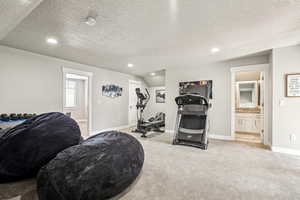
{"x":33,"y":83}
{"x":220,"y":113}
{"x":286,"y":118}
{"x":153,"y":107}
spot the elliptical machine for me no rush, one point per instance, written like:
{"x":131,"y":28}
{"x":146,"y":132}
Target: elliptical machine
{"x":142,"y":100}
{"x":154,"y":123}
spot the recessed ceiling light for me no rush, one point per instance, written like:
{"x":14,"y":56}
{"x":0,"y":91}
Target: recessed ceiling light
{"x":152,"y":74}
{"x":130,"y":65}
{"x":215,"y":50}
{"x":91,"y":21}
{"x":52,"y":41}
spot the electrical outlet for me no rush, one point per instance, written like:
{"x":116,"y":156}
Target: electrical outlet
{"x":293,"y":138}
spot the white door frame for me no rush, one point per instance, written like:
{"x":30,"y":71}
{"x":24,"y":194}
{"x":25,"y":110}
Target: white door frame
{"x":90,"y":84}
{"x":131,"y":82}
{"x":252,"y":68}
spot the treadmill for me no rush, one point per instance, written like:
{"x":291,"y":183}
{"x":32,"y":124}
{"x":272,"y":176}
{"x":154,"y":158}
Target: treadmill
{"x":192,"y":125}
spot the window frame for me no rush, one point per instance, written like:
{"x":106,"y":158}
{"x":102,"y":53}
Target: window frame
{"x":74,"y":95}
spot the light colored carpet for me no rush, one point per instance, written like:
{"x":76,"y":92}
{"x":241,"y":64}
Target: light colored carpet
{"x":227,"y":170}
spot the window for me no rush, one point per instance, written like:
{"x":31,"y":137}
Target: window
{"x":70,"y":93}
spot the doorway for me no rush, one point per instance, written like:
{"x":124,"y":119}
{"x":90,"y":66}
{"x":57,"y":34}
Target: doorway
{"x":250,"y":104}
{"x":132,"y":110}
{"x":77,"y":98}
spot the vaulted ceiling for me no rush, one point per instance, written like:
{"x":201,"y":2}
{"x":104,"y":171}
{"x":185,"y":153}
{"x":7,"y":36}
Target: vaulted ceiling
{"x":12,"y":12}
{"x":154,"y":34}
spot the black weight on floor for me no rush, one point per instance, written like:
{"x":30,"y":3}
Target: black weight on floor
{"x":4,"y":117}
{"x":13,"y":116}
{"x":20,"y":116}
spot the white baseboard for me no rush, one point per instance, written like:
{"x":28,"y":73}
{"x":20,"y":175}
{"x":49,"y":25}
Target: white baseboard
{"x":81,"y":120}
{"x":285,"y":150}
{"x":169,"y":131}
{"x":220,"y":137}
{"x":110,"y":129}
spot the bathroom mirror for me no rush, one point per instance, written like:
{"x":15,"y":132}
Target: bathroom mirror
{"x":247,"y":94}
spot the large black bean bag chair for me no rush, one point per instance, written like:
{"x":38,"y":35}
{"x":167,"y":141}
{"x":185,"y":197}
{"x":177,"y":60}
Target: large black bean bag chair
{"x":101,"y":167}
{"x":27,"y":147}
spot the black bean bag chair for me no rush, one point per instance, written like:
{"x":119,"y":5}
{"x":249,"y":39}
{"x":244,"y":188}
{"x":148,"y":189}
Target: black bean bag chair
{"x":25,"y":148}
{"x":101,"y":167}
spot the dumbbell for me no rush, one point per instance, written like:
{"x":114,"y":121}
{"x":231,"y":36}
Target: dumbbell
{"x":4,"y":117}
{"x":13,"y":116}
{"x":29,"y":116}
{"x":25,"y":116}
{"x":20,"y":116}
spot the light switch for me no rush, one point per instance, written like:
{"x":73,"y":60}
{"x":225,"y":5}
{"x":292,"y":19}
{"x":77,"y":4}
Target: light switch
{"x":293,"y":138}
{"x":281,"y":102}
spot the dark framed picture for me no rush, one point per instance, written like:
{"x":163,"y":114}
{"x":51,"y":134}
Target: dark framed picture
{"x":203,"y":87}
{"x":160,"y":96}
{"x":112,"y":91}
{"x":292,"y":85}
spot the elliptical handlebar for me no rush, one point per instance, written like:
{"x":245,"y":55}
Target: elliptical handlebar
{"x":148,"y":94}
{"x":143,"y":98}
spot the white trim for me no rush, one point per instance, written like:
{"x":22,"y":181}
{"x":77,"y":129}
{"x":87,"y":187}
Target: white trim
{"x":171,"y":132}
{"x":76,"y":77}
{"x":110,"y":129}
{"x":285,"y":150}
{"x":252,"y":68}
{"x":66,"y":70}
{"x":81,"y":120}
{"x":221,"y":137}
{"x":134,"y":81}
{"x":77,"y":72}
{"x":131,"y":82}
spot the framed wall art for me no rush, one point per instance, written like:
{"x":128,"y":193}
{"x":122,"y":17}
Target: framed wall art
{"x":203,"y":87}
{"x":160,"y":96}
{"x":112,"y":91}
{"x":292,"y":85}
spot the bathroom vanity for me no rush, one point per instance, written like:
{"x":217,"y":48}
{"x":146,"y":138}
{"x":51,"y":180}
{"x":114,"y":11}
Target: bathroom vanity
{"x":249,"y":113}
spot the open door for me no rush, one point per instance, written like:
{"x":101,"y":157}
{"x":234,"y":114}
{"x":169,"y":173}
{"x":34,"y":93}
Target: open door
{"x":77,"y":98}
{"x":132,"y":110}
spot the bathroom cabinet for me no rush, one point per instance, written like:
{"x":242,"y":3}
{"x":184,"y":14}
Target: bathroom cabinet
{"x":249,"y":123}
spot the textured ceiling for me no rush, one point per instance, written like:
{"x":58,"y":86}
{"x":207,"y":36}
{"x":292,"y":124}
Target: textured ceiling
{"x":157,"y":34}
{"x":12,"y":12}
{"x":155,"y":81}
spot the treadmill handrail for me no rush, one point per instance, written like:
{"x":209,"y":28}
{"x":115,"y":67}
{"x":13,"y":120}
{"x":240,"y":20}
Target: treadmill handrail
{"x":191,"y":99}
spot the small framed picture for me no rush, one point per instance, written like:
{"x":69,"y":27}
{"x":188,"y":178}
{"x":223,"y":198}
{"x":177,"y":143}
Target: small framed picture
{"x":292,"y":85}
{"x":160,"y":96}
